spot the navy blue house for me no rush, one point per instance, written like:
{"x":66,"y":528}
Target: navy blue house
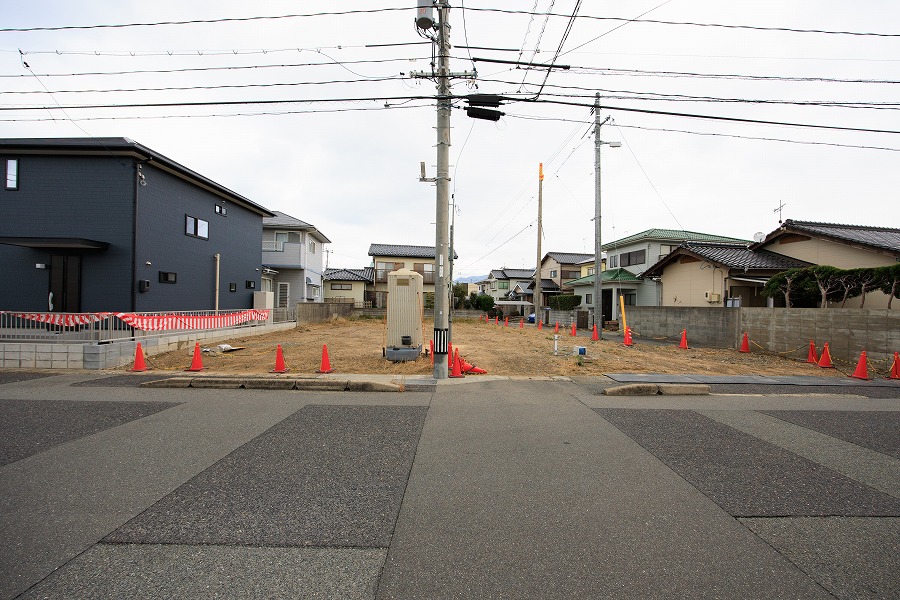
{"x":106,"y":224}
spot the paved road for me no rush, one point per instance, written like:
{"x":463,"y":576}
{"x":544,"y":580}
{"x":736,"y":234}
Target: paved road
{"x":493,"y":489}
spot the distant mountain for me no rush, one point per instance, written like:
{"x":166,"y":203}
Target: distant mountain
{"x":472,"y":279}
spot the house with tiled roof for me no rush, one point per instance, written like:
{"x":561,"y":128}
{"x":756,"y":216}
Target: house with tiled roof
{"x":292,"y":258}
{"x":634,"y":254}
{"x":555,"y":268}
{"x":511,"y":289}
{"x":837,"y":245}
{"x":349,"y":285}
{"x":717,"y":274}
{"x":390,"y":257}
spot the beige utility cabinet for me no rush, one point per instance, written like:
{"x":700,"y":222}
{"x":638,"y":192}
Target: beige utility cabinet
{"x":404,"y":315}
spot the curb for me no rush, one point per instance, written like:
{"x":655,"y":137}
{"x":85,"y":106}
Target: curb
{"x":658,"y":389}
{"x":233,"y":383}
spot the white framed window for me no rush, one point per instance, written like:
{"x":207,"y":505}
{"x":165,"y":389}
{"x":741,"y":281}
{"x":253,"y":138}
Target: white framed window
{"x":312,"y":247}
{"x":195,"y":227}
{"x":12,"y":173}
{"x":284,"y":295}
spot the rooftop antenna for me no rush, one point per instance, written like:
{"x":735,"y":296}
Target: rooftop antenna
{"x":778,"y":210}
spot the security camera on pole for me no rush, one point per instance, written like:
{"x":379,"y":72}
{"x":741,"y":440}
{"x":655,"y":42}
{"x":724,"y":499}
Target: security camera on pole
{"x":442,"y":285}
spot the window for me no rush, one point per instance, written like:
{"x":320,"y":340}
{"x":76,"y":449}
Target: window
{"x":232,"y":287}
{"x":504,"y":285}
{"x":284,"y":295}
{"x":165,"y":277}
{"x":342,"y":286}
{"x":250,"y":285}
{"x":196,"y":227}
{"x":590,"y":271}
{"x":426,"y":270}
{"x":221,"y":210}
{"x":552,"y":273}
{"x":12,"y":173}
{"x":571,"y":274}
{"x":312,"y":247}
{"x":638,"y":257}
{"x":383,"y":268}
{"x":629,"y":299}
{"x":613,"y":261}
{"x":588,"y":299}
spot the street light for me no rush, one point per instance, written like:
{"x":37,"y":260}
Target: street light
{"x":598,"y":288}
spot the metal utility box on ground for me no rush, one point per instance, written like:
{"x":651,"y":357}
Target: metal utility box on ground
{"x":404,"y":316}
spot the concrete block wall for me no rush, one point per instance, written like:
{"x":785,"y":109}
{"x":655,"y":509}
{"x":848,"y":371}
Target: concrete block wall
{"x":317,"y":312}
{"x":115,"y":354}
{"x":711,"y":327}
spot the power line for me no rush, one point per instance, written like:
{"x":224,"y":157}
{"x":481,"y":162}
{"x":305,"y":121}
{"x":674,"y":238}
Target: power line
{"x":405,"y":8}
{"x":223,"y":68}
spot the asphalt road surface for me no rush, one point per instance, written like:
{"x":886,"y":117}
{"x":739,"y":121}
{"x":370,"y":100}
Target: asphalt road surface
{"x":483,"y":489}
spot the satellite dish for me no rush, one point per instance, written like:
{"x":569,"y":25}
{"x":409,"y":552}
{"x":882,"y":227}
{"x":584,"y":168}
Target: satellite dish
{"x":759,"y":236}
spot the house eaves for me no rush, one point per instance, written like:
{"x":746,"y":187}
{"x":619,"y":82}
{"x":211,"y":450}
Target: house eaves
{"x":729,"y":257}
{"x":670,"y":235}
{"x":125,"y":147}
{"x":402,"y":251}
{"x":285,"y":222}
{"x":883,"y":240}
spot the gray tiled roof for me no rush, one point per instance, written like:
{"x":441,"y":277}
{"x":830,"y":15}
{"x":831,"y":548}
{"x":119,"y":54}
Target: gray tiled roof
{"x":885,"y":238}
{"x":512,"y":273}
{"x":739,"y":256}
{"x":569,"y":258}
{"x":285,"y":220}
{"x":401,"y":250}
{"x":367,"y":274}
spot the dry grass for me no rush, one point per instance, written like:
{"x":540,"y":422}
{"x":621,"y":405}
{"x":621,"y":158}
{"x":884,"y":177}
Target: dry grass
{"x":355,"y":346}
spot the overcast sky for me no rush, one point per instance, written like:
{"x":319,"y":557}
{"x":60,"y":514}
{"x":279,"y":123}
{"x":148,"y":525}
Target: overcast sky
{"x":349,"y":163}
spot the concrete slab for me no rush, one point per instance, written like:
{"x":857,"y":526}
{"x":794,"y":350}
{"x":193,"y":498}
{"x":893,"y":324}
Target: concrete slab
{"x":137,"y":572}
{"x":749,"y":379}
{"x":521,"y":492}
{"x":325,"y":476}
{"x":875,"y":430}
{"x":744,"y":475}
{"x":31,"y":426}
{"x":850,"y":557}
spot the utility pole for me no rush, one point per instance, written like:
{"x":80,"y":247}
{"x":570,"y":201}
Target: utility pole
{"x":538,"y":313}
{"x":441,"y":72}
{"x":598,"y":262}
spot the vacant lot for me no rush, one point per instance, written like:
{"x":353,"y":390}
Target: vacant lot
{"x":355,"y":346}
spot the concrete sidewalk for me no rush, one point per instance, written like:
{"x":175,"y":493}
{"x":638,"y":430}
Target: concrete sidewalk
{"x":496,"y":488}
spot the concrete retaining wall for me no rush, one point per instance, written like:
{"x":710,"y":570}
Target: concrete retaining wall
{"x":317,"y":312}
{"x":33,"y":355}
{"x":848,"y":331}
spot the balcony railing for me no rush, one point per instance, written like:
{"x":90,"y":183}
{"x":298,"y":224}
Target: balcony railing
{"x":272,"y":246}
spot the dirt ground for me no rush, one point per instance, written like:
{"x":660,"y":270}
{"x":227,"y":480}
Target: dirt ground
{"x":355,"y":346}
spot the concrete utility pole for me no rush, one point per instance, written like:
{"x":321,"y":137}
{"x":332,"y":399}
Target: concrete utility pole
{"x":598,"y":261}
{"x":538,"y":313}
{"x":442,"y":220}
{"x":443,"y":276}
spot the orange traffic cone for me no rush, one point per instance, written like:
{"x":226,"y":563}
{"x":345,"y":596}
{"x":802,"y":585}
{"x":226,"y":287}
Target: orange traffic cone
{"x":811,"y":357}
{"x":506,"y":322}
{"x":540,"y":325}
{"x":139,"y":363}
{"x":862,"y":368}
{"x":326,"y":364}
{"x":431,"y":347}
{"x":449,"y":356}
{"x":628,"y":341}
{"x":469,"y":368}
{"x":497,"y":320}
{"x":521,"y":323}
{"x":456,"y":372}
{"x":197,"y":362}
{"x":279,"y":361}
{"x":574,"y":333}
{"x":556,"y":330}
{"x":745,"y":344}
{"x":594,"y":336}
{"x":683,"y":345}
{"x":895,"y":368}
{"x":825,"y":361}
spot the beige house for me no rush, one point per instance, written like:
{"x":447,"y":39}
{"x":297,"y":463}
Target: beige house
{"x":390,"y":257}
{"x":717,"y":274}
{"x":841,"y":246}
{"x":556,"y":268}
{"x":349,"y":285}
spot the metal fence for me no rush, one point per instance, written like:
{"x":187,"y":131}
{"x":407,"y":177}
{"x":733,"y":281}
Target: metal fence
{"x":92,"y":328}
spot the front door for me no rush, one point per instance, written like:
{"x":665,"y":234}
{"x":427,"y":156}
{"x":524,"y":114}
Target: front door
{"x":65,"y":283}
